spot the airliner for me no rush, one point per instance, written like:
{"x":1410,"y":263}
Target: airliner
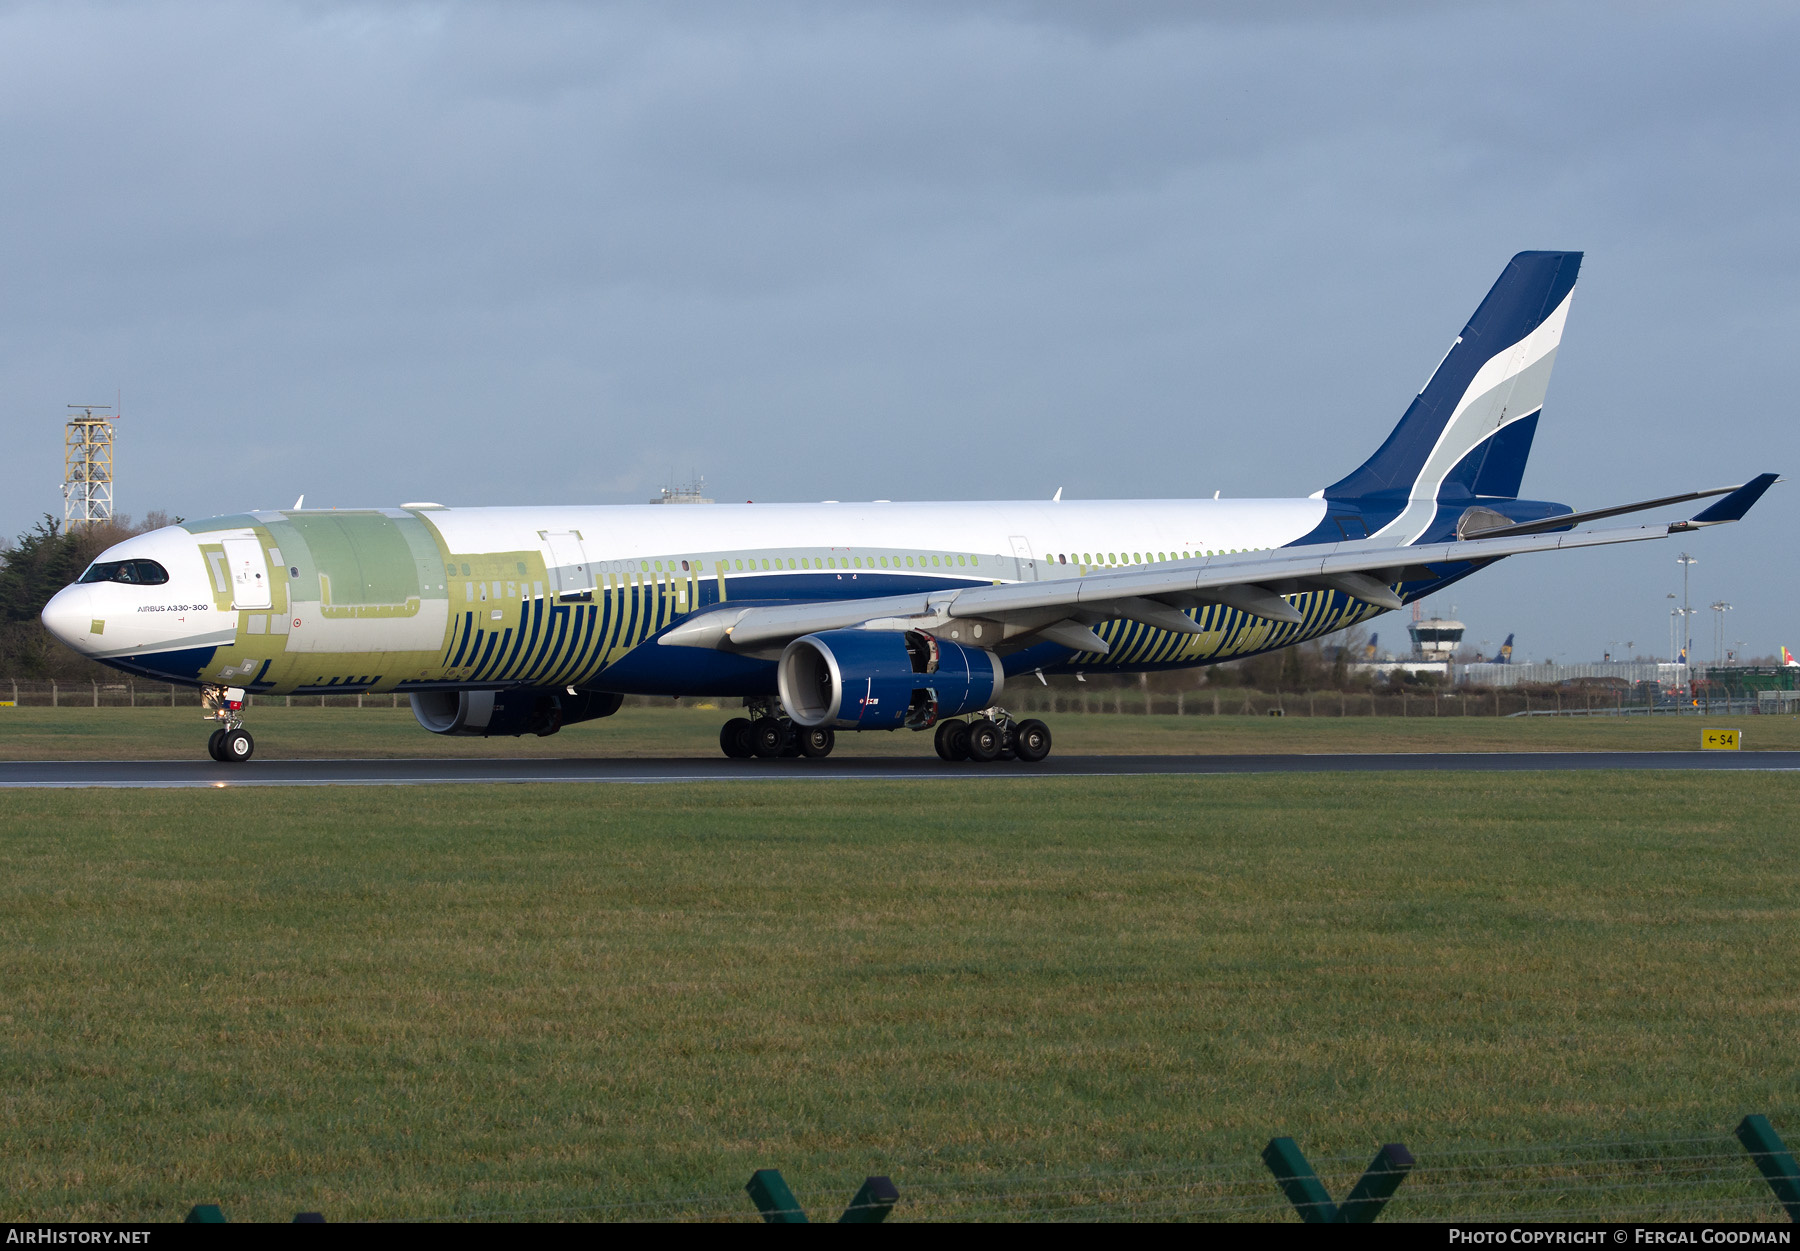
{"x":833,"y":617}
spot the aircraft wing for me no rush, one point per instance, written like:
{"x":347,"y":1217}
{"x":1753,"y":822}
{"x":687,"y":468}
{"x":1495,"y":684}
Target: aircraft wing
{"x":1063,"y":610}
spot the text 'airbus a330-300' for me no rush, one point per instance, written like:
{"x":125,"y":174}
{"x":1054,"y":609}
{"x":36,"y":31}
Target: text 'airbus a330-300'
{"x":833,"y":617}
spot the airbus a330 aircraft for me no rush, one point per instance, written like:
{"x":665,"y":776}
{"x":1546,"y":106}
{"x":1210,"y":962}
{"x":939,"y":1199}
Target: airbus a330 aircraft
{"x":827,"y":617}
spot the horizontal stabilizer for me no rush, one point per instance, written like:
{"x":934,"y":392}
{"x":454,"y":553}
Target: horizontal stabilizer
{"x":1738,"y":501}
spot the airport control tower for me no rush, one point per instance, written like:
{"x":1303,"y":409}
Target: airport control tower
{"x":1435,"y":638}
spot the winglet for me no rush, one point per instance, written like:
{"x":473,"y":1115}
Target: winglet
{"x":1735,"y":505}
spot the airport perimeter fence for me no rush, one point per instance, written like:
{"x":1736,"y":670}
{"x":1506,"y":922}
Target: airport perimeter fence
{"x":1023,"y":698}
{"x":45,"y":693}
{"x":1748,"y":1176}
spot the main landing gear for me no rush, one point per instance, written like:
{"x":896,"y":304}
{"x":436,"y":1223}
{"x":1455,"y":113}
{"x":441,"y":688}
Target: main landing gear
{"x":231,"y":742}
{"x":994,"y":735}
{"x":766,"y":734}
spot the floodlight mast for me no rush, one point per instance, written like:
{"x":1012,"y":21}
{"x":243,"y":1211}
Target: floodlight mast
{"x":88,"y":466}
{"x":1687,"y":614}
{"x":1720,"y":608}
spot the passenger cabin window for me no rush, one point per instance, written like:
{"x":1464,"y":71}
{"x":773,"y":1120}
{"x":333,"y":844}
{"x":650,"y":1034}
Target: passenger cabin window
{"x":134,"y":572}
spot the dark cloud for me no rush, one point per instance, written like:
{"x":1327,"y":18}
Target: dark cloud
{"x":496,"y":253}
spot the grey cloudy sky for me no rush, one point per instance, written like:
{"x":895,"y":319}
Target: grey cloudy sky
{"x":563,"y":252}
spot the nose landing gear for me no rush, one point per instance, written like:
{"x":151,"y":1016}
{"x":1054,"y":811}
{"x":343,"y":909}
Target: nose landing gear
{"x":231,"y":742}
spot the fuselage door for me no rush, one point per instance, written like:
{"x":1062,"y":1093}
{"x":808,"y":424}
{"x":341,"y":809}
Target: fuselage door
{"x":249,"y":573}
{"x":569,"y":571}
{"x":1027,"y":562}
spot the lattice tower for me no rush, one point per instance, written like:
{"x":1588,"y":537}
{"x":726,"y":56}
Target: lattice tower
{"x":88,"y":465}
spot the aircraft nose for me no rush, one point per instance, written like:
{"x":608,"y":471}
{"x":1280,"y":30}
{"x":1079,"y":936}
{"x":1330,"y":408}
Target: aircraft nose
{"x":69,"y":616}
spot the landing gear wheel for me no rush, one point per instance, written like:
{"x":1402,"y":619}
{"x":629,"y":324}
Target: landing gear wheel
{"x":212,"y":745}
{"x":817,"y":742}
{"x":1031,"y":741}
{"x":958,"y":740}
{"x":986,"y":741}
{"x":734,"y":738}
{"x":767,"y":737}
{"x":941,"y":740}
{"x":235,"y":746}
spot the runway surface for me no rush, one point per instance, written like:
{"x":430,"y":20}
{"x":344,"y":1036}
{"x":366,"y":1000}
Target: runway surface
{"x":167,"y":773}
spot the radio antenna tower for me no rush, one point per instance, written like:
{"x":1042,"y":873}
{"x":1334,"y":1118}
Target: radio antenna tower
{"x":88,"y":465}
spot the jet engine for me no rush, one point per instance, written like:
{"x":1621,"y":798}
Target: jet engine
{"x":486,"y":713}
{"x":884,"y":679}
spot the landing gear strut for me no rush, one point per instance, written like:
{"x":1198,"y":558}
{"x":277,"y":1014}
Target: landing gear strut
{"x":994,"y":735}
{"x":766,"y":734}
{"x":231,"y":742}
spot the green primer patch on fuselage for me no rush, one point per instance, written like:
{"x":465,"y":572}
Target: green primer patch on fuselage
{"x":362,"y":559}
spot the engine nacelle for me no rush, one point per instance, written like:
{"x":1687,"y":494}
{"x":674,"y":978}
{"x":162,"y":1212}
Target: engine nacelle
{"x":485,"y":713}
{"x":884,"y":679}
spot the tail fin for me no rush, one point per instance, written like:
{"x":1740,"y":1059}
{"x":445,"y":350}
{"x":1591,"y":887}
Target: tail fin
{"x":1469,"y":430}
{"x":1787,"y":658}
{"x":1506,"y":651}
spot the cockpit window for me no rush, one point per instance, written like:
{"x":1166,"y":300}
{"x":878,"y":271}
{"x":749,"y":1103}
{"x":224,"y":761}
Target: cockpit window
{"x":136,"y":572}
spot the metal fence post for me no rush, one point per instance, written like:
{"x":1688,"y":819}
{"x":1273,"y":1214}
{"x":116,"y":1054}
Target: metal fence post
{"x":1773,"y":1160}
{"x":1377,"y":1185}
{"x":872,"y":1203}
{"x":773,"y":1198}
{"x":53,"y":694}
{"x":1298,"y":1182}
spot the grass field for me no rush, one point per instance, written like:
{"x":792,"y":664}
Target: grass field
{"x":422,"y":1002}
{"x":179,"y":733}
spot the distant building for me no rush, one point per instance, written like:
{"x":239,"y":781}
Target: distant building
{"x":1387,"y":668}
{"x":1668,"y":677}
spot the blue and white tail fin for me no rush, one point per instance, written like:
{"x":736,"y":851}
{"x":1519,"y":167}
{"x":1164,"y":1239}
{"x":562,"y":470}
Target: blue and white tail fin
{"x":1468,"y":432}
